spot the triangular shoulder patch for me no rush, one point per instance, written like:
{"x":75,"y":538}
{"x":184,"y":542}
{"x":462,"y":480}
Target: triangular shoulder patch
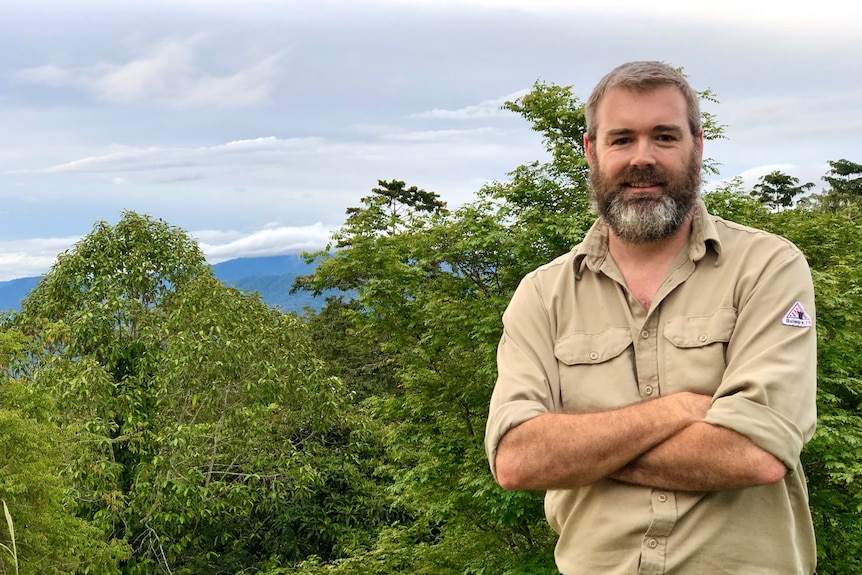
{"x":797,"y":316}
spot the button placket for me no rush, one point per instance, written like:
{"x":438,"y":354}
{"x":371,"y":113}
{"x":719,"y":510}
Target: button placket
{"x":646,"y":357}
{"x":654,"y":549}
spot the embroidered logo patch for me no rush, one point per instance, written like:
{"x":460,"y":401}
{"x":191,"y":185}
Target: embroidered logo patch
{"x":797,"y":316}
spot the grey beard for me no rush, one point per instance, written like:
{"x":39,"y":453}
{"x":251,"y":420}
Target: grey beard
{"x":647,"y":220}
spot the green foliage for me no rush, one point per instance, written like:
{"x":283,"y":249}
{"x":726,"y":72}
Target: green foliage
{"x":200,"y":432}
{"x":431,"y":296}
{"x":833,"y":459}
{"x":832,"y":243}
{"x":49,"y":536}
{"x":844,"y":193}
{"x":732,"y":203}
{"x":105,"y":285}
{"x":777,"y":190}
{"x":246,"y":437}
{"x":558,"y":115}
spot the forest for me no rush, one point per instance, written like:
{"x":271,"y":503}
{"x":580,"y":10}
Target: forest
{"x":155,"y":421}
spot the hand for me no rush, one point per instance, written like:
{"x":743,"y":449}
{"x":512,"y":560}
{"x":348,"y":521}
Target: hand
{"x":692,"y":406}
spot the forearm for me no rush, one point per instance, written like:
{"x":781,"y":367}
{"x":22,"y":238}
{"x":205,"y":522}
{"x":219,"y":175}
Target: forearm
{"x":703,"y":457}
{"x":564,"y":451}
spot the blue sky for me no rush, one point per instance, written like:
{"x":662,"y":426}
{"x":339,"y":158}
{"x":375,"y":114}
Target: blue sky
{"x":254,"y":124}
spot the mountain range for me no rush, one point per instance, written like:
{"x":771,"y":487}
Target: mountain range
{"x":270,"y":276}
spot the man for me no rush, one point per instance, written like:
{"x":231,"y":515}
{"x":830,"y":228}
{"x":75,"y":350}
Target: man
{"x":658,"y":381}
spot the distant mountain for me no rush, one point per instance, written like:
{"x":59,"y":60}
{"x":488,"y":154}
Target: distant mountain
{"x":271,"y":276}
{"x":269,"y":265}
{"x":13,"y":291}
{"x":275,"y":291}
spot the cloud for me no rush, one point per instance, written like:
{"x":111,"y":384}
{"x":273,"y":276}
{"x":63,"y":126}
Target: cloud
{"x":31,"y":257}
{"x":131,"y":159}
{"x":45,"y":75}
{"x":439,"y":135}
{"x":168,"y":75}
{"x":267,"y":242}
{"x":750,"y":177}
{"x":484,"y":109}
{"x":281,"y":153}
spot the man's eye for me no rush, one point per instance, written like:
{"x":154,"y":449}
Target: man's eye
{"x":667,"y":138}
{"x":620,"y":141}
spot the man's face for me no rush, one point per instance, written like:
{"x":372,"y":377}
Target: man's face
{"x":644,"y":164}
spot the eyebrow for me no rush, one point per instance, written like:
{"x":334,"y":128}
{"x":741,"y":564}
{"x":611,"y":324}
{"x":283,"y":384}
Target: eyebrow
{"x":668,"y":128}
{"x":660,"y":128}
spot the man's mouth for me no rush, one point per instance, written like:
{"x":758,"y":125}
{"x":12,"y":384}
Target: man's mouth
{"x":642,"y":184}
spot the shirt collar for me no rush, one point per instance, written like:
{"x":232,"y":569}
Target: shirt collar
{"x":593,"y":250}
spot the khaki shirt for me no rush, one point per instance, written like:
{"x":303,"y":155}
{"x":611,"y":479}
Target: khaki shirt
{"x":733,"y":319}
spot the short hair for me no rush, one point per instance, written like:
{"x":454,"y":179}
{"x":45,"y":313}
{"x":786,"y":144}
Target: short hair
{"x":643,"y":77}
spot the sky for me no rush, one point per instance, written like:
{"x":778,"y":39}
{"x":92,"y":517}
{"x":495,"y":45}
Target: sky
{"x":254,"y":124}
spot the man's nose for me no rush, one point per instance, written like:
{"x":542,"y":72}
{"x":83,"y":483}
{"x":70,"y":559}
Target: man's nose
{"x":644,"y":153}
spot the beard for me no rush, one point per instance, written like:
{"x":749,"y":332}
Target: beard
{"x":646,"y":218}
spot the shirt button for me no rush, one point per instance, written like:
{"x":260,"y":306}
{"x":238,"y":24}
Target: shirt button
{"x":703,"y":337}
{"x":648,"y":390}
{"x":652,"y":543}
{"x":594,"y":355}
{"x":662,"y":497}
{"x":645,"y":334}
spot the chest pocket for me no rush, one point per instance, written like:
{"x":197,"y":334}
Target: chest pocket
{"x":596,"y":369}
{"x":694,"y":357}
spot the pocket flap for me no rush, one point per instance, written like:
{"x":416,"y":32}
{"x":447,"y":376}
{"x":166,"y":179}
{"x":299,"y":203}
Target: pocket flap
{"x":699,"y":331}
{"x":589,"y":348}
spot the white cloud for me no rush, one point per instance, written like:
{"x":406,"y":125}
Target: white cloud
{"x":33,"y":257}
{"x":286,"y":155}
{"x":168,"y":75}
{"x":30,"y":257}
{"x":438,"y":135}
{"x":484,"y":109}
{"x":128,"y":158}
{"x":751,"y":176}
{"x":45,"y":75}
{"x":788,"y":13}
{"x":267,"y":242}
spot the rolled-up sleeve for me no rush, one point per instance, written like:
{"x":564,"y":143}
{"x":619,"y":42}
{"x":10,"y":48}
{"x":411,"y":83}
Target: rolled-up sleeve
{"x":528,"y":380}
{"x":768,"y":391}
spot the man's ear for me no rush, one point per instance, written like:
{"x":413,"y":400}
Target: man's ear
{"x":588,"y":150}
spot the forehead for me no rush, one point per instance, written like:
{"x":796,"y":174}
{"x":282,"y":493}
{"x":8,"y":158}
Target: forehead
{"x":625,"y":109}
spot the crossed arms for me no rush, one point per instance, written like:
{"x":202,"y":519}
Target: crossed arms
{"x":662,"y":443}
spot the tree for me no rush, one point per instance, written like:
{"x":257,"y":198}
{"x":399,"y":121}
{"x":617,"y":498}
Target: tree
{"x":253,"y":448}
{"x":428,"y":299}
{"x":49,"y":537}
{"x":845,"y":179}
{"x":845,"y":188}
{"x":209,"y":438}
{"x":391,"y":208}
{"x":89,"y":311}
{"x":777,"y":190}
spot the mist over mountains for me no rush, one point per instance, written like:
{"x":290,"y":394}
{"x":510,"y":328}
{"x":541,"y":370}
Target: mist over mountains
{"x":270,"y":276}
